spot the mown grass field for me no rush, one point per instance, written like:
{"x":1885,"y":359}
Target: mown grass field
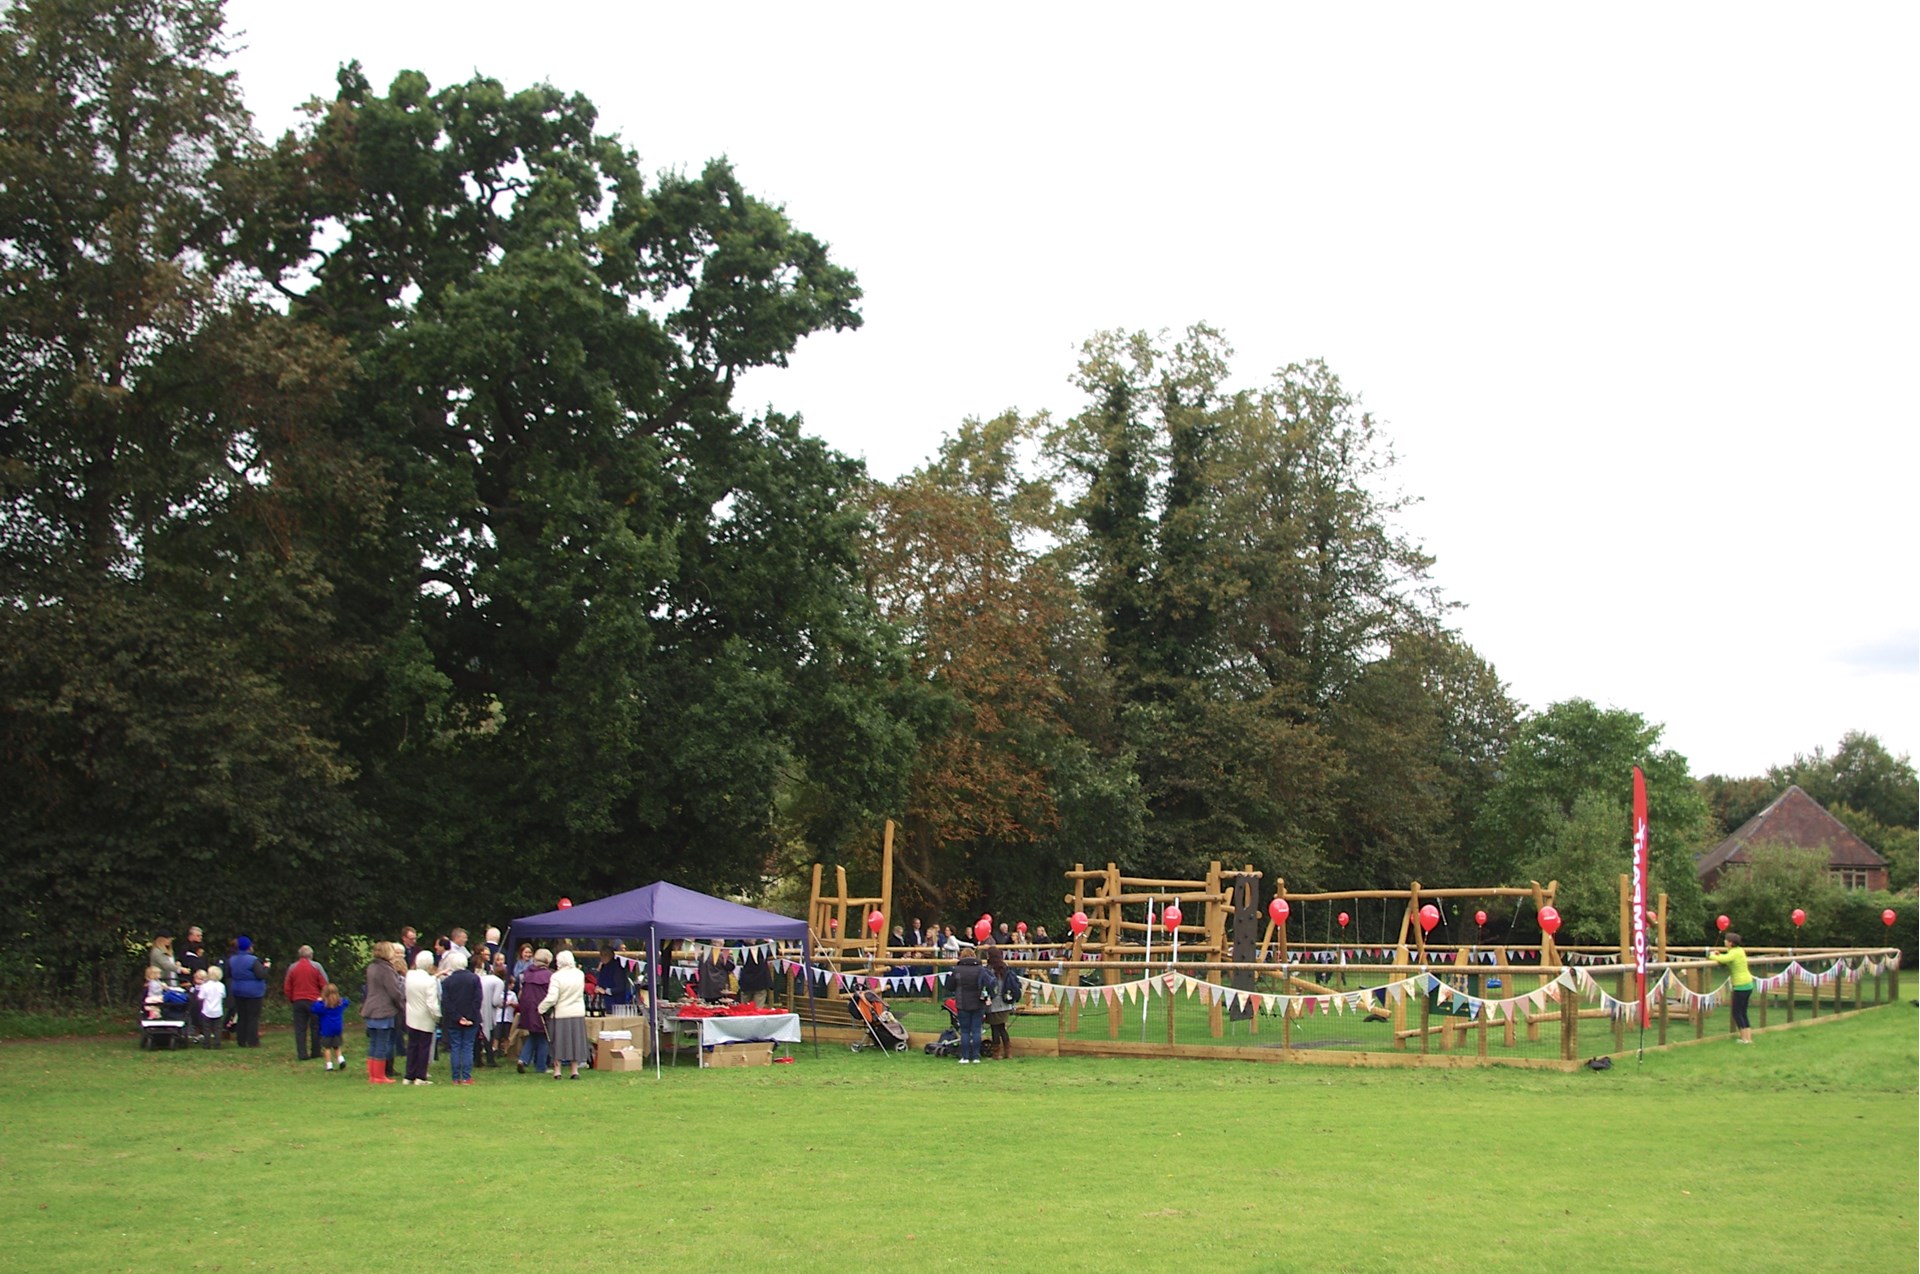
{"x":1796,"y":1153}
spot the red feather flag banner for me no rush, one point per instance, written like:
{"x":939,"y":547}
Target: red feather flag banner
{"x":1640,"y":840}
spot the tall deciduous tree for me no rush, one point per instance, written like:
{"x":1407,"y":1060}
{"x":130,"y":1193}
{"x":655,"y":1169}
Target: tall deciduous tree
{"x":1569,"y":771}
{"x":1003,"y":795}
{"x":171,"y":499}
{"x":1423,"y":732}
{"x":1243,"y":559}
{"x":621,"y":618}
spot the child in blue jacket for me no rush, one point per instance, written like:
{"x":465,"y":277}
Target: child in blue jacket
{"x":330,"y":1013}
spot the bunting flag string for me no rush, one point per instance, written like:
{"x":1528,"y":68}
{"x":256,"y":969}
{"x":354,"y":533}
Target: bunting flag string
{"x":1574,"y":980}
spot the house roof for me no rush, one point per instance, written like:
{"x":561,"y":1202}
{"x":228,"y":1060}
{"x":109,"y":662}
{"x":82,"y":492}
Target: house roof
{"x":1798,"y":820}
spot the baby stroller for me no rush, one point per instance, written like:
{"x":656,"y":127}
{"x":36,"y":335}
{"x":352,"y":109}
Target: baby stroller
{"x":163,"y":1022}
{"x":948,"y":1045}
{"x":883,"y":1028}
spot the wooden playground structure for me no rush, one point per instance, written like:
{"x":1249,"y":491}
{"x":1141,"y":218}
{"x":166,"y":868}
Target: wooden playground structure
{"x":1463,"y":1002}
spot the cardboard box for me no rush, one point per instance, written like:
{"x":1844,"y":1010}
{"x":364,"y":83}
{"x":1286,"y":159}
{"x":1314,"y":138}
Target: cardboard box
{"x":631,"y":1033}
{"x":741,"y":1055}
{"x":617,"y":1028}
{"x":624,"y":1059}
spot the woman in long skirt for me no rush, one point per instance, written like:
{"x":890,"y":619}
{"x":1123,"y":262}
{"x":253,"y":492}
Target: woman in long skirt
{"x":566,"y":1000}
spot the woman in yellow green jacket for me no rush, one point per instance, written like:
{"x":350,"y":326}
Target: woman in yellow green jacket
{"x":1735,"y":958}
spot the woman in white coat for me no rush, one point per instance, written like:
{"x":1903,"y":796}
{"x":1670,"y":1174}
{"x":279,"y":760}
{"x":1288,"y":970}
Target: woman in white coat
{"x":567,"y":1000}
{"x":423,"y":1015}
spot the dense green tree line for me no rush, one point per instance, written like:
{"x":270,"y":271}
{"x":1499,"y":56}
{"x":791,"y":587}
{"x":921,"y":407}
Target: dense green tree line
{"x":380,"y":538}
{"x":380,"y":542}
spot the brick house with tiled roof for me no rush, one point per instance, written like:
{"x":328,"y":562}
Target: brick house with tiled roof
{"x":1797,"y":820}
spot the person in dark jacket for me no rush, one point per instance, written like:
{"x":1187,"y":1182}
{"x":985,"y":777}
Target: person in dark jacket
{"x":755,"y":977}
{"x":533,"y":989}
{"x":613,"y":980}
{"x":247,"y":984}
{"x":381,"y":1010}
{"x":193,"y":954}
{"x":1003,"y":1003}
{"x":460,"y":1014}
{"x":715,"y":968}
{"x":964,"y":985}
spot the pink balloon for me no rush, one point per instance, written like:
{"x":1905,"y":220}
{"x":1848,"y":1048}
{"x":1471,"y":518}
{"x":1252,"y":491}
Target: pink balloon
{"x":875,"y":921}
{"x":1724,"y":922}
{"x":988,"y":917}
{"x":565,"y":903}
{"x":1549,"y":921}
{"x":1021,"y":927}
{"x":1343,"y":919}
{"x":1480,"y":918}
{"x":1171,"y":917}
{"x":1279,"y":910}
{"x":1077,"y":922}
{"x":1799,"y":917}
{"x":981,"y":929}
{"x":1887,"y":917}
{"x":833,"y":923}
{"x":1429,"y":917}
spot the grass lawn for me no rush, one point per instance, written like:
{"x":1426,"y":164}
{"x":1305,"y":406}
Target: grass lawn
{"x":1797,"y":1153}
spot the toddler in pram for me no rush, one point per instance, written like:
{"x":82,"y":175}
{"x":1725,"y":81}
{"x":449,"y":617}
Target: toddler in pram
{"x":948,"y":1043}
{"x":883,"y":1028}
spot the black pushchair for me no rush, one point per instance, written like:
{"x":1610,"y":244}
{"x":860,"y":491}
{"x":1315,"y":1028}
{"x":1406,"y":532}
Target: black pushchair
{"x":883,"y":1028}
{"x":948,"y":1043}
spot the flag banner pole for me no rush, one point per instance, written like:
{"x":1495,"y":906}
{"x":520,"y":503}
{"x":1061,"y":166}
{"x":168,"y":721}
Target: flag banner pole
{"x":1146,"y":964}
{"x":1641,"y":841}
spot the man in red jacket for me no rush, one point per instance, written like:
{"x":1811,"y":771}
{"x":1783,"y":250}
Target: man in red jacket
{"x":305,"y":982}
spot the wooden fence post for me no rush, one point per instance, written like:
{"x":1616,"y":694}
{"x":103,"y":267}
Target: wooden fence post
{"x":1663,"y":1011}
{"x":1620,"y":1023}
{"x":1569,"y":1024}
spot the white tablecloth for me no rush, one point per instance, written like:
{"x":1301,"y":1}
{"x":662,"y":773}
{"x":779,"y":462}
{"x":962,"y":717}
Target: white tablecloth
{"x":781,"y":1027}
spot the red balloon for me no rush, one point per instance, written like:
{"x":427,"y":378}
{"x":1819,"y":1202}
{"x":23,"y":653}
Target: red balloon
{"x":1343,"y":919}
{"x":875,"y":921}
{"x":1279,"y":910}
{"x":1077,"y":922}
{"x":1021,"y":927}
{"x":1549,"y":921}
{"x":565,"y":903}
{"x":1429,"y":917}
{"x":1480,"y":918}
{"x":982,"y":928}
{"x":1887,"y":917}
{"x":1799,"y":917}
{"x":1723,"y":922}
{"x":988,"y":917}
{"x":1171,"y":917}
{"x":834,"y":923}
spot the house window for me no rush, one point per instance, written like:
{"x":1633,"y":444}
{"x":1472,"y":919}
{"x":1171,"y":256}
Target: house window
{"x":1849,"y":877}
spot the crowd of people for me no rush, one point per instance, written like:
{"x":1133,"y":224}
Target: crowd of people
{"x":217,"y":996}
{"x":483,"y":1006}
{"x":942,"y":942}
{"x":469,"y":1000}
{"x":480,"y":1005}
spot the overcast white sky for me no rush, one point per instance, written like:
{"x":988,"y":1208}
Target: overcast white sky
{"x":1631,"y":287}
